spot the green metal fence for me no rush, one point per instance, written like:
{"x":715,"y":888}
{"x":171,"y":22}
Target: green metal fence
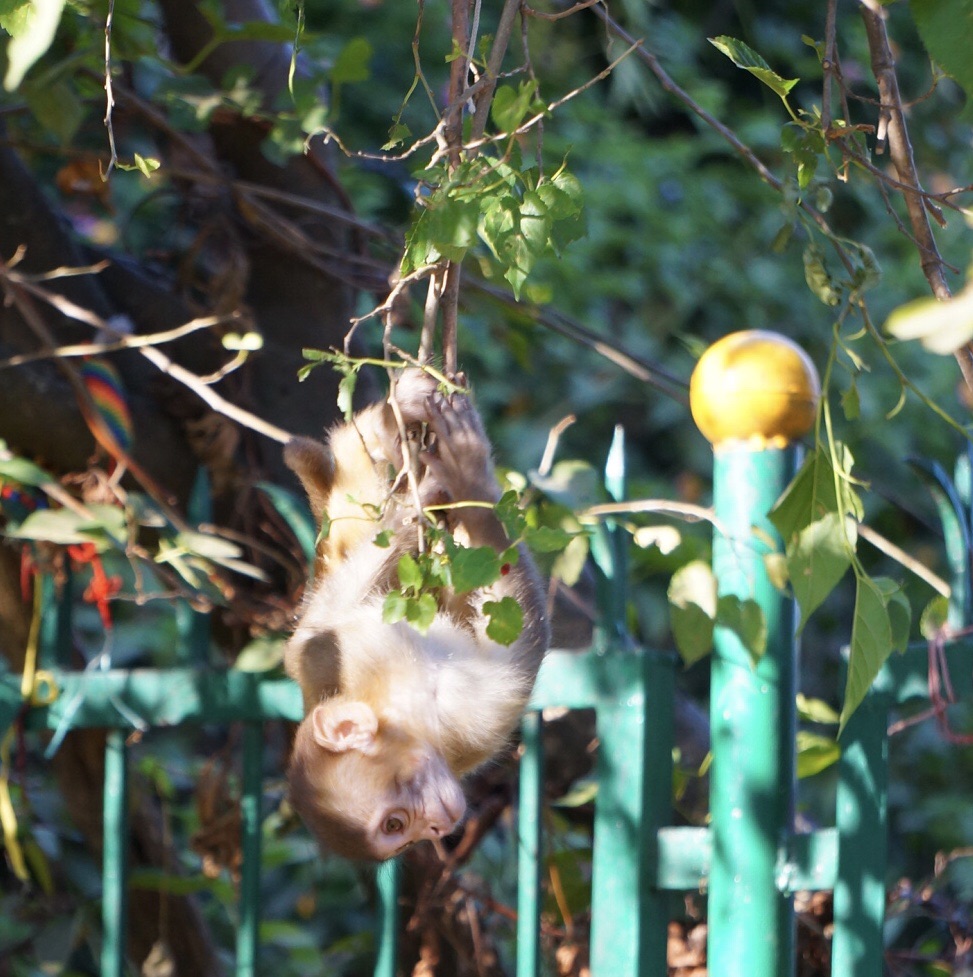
{"x":750,"y":861}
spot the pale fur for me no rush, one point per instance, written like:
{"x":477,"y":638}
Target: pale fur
{"x":451,"y":693}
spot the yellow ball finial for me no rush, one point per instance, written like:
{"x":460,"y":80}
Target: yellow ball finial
{"x":754,"y":386}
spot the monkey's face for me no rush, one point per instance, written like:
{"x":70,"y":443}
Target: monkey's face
{"x":368,"y":794}
{"x":414,"y":797}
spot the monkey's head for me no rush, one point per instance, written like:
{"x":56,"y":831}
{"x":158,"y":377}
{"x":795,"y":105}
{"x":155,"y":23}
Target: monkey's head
{"x":364,"y":788}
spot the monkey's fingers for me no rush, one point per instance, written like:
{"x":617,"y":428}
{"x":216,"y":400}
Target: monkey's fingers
{"x":411,"y":391}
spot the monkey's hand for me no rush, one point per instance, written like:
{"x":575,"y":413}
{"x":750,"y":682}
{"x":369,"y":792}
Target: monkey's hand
{"x":412,"y":391}
{"x":459,"y":461}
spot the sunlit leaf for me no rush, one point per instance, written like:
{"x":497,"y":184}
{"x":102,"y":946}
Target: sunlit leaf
{"x":474,"y":567}
{"x":934,"y":617}
{"x":506,"y":620}
{"x":871,"y":644}
{"x":743,"y":56}
{"x":944,"y":26}
{"x":263,"y":654}
{"x":692,"y":609}
{"x":35,"y":32}
{"x":746,"y":620}
{"x":818,"y":559}
{"x":941,"y":327}
{"x":818,"y":278}
{"x":816,"y":711}
{"x":815,"y":753}
{"x":353,"y":62}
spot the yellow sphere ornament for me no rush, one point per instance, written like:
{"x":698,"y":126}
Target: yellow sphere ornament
{"x":754,"y":386}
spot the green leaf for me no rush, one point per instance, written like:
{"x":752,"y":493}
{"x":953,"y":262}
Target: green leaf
{"x":353,"y":62}
{"x":814,"y":492}
{"x":56,"y":107}
{"x":745,"y":57}
{"x":207,"y":546}
{"x":510,"y":514}
{"x":383,"y":539}
{"x":263,"y":654}
{"x":14,"y":15}
{"x":816,"y":711}
{"x":900,"y":615}
{"x":851,"y":402}
{"x":746,"y":620}
{"x":398,"y":134}
{"x":818,"y":559}
{"x":815,"y":753}
{"x":394,"y":607}
{"x":570,"y":564}
{"x":410,"y":576}
{"x":506,"y":620}
{"x":64,"y":527}
{"x":934,"y":618}
{"x":941,"y":327}
{"x":346,"y":394}
{"x":511,"y":105}
{"x":945,"y":29}
{"x":35,"y":32}
{"x":146,"y":165}
{"x":421,"y":611}
{"x":818,"y":279}
{"x":871,"y":643}
{"x":867,"y":271}
{"x":692,"y":609}
{"x":582,"y":792}
{"x":535,"y":223}
{"x":25,"y":472}
{"x":474,"y":567}
{"x":547,"y":539}
{"x":573,"y":483}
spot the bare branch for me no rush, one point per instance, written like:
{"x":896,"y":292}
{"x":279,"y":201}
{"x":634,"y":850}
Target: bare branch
{"x":900,"y":149}
{"x":126,"y":342}
{"x":155,"y":356}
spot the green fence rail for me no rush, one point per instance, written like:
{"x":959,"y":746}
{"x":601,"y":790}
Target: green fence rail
{"x":750,"y":861}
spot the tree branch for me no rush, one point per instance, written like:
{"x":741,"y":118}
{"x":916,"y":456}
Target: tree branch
{"x":892,"y":121}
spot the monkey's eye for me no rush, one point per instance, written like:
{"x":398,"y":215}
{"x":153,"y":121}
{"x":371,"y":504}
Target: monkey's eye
{"x":393,"y":825}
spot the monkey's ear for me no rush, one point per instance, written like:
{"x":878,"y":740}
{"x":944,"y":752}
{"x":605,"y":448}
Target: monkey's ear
{"x":343,"y":726}
{"x":313,"y":464}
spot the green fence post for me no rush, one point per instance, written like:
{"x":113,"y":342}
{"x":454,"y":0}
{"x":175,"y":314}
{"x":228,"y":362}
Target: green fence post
{"x":751,"y":393}
{"x":114,"y":907}
{"x":859,"y":892}
{"x":247,"y":941}
{"x":629,"y":918}
{"x":529,"y":852}
{"x":388,"y":880}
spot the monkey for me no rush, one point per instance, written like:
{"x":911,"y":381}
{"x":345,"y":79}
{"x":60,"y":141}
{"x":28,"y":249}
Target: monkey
{"x":394,"y":718}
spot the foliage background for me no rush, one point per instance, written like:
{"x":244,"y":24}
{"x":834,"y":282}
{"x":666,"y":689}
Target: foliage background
{"x":682,"y":246}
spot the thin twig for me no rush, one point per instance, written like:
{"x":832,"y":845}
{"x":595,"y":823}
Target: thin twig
{"x":109,"y":95}
{"x":550,"y":449}
{"x":828,"y":64}
{"x":541,"y":15}
{"x":159,"y":360}
{"x":900,"y":556}
{"x":501,"y":41}
{"x":126,"y":342}
{"x":900,"y":150}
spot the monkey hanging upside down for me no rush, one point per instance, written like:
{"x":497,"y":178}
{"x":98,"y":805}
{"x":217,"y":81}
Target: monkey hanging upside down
{"x":394,"y":718}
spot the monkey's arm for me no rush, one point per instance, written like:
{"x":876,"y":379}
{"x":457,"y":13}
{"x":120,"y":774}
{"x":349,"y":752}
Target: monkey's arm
{"x":461,"y":463}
